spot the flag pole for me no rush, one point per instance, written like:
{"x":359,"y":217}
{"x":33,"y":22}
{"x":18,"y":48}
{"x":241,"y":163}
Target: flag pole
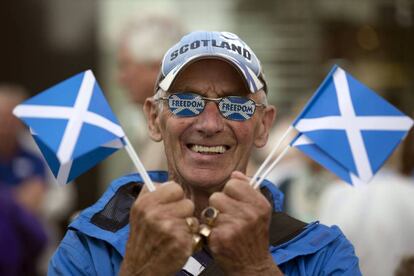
{"x":271,"y":167}
{"x":269,"y":157}
{"x":138,"y":165}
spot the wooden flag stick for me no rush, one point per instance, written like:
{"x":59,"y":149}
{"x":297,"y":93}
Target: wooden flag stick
{"x":138,"y":164}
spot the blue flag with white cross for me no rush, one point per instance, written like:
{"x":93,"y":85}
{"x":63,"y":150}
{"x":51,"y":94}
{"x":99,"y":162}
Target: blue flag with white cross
{"x":308,"y":147}
{"x":73,"y":125}
{"x":354,"y":127}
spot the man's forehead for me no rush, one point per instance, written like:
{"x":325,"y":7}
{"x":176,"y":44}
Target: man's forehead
{"x":217,"y":72}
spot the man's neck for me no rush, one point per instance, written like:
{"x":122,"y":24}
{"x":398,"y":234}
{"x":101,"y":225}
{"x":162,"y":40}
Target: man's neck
{"x":200,"y":197}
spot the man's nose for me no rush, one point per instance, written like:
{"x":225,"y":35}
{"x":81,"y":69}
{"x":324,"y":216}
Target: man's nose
{"x":210,"y":120}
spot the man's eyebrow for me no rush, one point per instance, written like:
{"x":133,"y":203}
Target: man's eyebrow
{"x":182,"y":88}
{"x":186,"y":88}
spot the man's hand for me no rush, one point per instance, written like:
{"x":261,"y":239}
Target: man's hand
{"x":160,"y":241}
{"x":239,"y":239}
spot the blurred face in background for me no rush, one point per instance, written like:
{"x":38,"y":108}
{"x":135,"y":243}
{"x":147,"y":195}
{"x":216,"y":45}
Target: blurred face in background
{"x":10,"y":126}
{"x":137,"y":78}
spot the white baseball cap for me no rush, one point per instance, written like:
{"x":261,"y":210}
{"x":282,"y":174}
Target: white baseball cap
{"x":221,"y":45}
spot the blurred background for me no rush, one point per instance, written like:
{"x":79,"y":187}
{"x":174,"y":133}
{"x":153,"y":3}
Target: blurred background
{"x":298,"y":41}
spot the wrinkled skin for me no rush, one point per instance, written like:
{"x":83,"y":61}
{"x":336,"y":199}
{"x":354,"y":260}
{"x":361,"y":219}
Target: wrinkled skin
{"x":158,"y":227}
{"x":239,"y":240}
{"x":159,"y":243}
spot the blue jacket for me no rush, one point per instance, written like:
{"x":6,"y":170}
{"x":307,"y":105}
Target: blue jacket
{"x":93,"y":247}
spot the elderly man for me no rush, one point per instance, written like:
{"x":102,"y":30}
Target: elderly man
{"x":210,"y":111}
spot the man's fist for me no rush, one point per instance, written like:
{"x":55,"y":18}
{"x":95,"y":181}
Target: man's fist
{"x":160,"y":240}
{"x":239,"y":239}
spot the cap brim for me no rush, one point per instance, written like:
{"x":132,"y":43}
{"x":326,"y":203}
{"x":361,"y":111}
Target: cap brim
{"x":252,"y":81}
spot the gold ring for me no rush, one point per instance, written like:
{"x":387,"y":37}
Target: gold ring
{"x":204,"y":230}
{"x":197,"y":242}
{"x":209,"y":215}
{"x":192,"y":225}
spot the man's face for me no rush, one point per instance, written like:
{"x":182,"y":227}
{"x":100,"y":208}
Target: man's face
{"x":10,"y":126}
{"x":191,"y":143}
{"x":136,"y":78}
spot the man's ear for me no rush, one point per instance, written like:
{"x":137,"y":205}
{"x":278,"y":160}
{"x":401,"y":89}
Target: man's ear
{"x":152,"y":111}
{"x":265,"y":124}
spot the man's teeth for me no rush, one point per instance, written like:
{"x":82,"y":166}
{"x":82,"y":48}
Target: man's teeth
{"x":204,"y":149}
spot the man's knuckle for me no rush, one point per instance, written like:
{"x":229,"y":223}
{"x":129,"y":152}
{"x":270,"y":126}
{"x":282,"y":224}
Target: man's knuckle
{"x":176,"y":189}
{"x":231,"y":186}
{"x":166,"y":226}
{"x":216,"y":198}
{"x":264,"y":209}
{"x":189,"y":206}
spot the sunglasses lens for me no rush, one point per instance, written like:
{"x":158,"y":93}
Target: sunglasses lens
{"x":237,"y":108}
{"x":186,"y":104}
{"x":233,"y":108}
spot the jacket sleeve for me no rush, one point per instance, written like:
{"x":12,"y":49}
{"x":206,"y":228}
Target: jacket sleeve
{"x":341,"y":258}
{"x":80,"y":254}
{"x":72,"y":257}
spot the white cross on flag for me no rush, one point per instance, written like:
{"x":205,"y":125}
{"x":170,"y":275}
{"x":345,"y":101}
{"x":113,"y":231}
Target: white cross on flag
{"x":73,"y":125}
{"x":347,"y":125}
{"x":308,"y":147}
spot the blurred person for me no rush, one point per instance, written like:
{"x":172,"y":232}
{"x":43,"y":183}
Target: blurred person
{"x":210,"y":110}
{"x":304,"y":188}
{"x":22,"y":189}
{"x":20,"y":169}
{"x":377,"y":217}
{"x":301,"y":179}
{"x":142,"y":43}
{"x":407,"y":156}
{"x":406,"y":267}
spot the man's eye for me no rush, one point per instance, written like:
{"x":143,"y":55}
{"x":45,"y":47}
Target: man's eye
{"x":237,"y":108}
{"x":186,"y":104}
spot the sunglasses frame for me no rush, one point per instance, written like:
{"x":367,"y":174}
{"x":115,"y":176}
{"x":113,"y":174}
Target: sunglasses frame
{"x":215,"y":100}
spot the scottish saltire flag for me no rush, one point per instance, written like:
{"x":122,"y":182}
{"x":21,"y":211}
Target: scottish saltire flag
{"x":352,"y":125}
{"x":73,"y":125}
{"x":308,"y":147}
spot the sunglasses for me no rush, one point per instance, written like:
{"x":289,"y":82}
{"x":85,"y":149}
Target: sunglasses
{"x":235,"y":108}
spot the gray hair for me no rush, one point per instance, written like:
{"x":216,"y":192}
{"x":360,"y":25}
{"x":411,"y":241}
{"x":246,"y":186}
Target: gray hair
{"x":263,"y":97}
{"x":158,"y":94}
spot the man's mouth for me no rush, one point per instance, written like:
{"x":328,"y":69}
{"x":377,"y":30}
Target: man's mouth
{"x":208,"y":149}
